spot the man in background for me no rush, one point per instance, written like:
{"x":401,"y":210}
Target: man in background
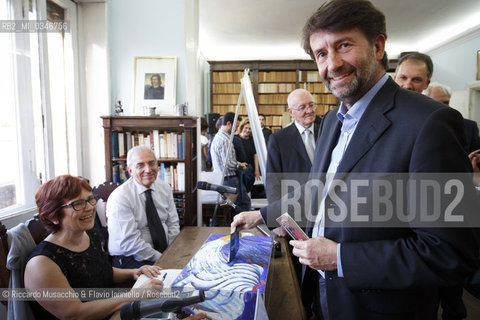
{"x":365,"y":271}
{"x":222,"y":159}
{"x":141,"y":215}
{"x":414,"y":71}
{"x":266,"y":132}
{"x":291,"y":149}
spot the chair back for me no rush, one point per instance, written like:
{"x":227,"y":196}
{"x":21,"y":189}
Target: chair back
{"x":102,"y":192}
{"x":38,"y":232}
{"x":4,"y":272}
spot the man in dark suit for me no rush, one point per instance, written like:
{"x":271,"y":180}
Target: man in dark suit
{"x":355,"y":270}
{"x":414,"y":71}
{"x":289,"y":156}
{"x":288,"y":150}
{"x":266,"y":132}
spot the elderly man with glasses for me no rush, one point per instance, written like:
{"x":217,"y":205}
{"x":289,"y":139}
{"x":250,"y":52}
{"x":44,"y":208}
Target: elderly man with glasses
{"x":290,"y":150}
{"x":141,"y":215}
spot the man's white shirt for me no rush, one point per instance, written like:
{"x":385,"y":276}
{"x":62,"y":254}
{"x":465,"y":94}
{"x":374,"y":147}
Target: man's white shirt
{"x":127,"y":220}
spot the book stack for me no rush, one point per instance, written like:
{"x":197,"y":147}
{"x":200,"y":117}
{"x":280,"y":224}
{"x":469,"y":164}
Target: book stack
{"x":174,"y":175}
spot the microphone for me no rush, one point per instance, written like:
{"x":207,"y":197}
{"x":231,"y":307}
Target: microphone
{"x":203,"y":185}
{"x":143,"y":308}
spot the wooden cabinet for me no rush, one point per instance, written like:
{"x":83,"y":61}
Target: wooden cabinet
{"x":272,"y":81}
{"x":184,"y":127}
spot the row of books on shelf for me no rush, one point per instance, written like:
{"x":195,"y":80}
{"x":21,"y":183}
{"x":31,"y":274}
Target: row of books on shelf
{"x":227,"y":76}
{"x":314,"y":87}
{"x":164,"y":144}
{"x":272,"y":109}
{"x":280,"y":98}
{"x":273,"y":120}
{"x":325,"y":99}
{"x":174,"y":175}
{"x":277,"y":76}
{"x":120,"y":173}
{"x":309,"y":76}
{"x":229,"y":101}
{"x":222,"y":109}
{"x":226,"y":98}
{"x":179,"y":199}
{"x":268,"y":76}
{"x":226,"y":87}
{"x":276,"y":87}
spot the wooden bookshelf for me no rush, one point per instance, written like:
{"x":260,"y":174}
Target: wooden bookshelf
{"x":185,"y":201}
{"x":272,"y":81}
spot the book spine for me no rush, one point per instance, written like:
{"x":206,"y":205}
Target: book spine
{"x":121,"y":145}
{"x":116,"y":174}
{"x":156,"y":143}
{"x":128,"y":137}
{"x":114,"y":144}
{"x":162,"y":171}
{"x":181,"y":176}
{"x":163,"y":146}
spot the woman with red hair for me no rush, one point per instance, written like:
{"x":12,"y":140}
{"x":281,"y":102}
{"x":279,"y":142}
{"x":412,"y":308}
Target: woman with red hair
{"x":71,"y":256}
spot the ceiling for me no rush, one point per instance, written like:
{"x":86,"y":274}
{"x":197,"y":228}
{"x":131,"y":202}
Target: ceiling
{"x":270,"y":29}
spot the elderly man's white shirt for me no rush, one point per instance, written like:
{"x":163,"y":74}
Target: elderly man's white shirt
{"x":127,"y":220}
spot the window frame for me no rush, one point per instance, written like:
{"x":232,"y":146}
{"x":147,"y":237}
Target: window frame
{"x":28,"y":179}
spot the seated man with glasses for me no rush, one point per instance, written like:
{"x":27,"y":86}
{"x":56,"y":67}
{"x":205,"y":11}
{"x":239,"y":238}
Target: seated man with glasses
{"x":141,"y":215}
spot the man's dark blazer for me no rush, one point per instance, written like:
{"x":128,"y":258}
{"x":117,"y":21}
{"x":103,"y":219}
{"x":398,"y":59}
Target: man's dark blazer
{"x":266,"y":134}
{"x":393,"y":273}
{"x":471,"y":130}
{"x":286,"y":156}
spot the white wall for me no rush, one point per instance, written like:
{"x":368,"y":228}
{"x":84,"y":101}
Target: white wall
{"x":455,"y":65}
{"x":147,"y":28}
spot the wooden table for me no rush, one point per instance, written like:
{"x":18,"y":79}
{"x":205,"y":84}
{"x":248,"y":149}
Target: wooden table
{"x":282,"y":291}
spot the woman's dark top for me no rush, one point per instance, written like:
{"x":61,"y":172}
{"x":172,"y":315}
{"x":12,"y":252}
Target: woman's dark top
{"x":239,"y":149}
{"x":250,"y":151}
{"x":87,"y":269}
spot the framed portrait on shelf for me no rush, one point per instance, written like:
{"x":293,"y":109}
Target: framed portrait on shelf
{"x":155,"y":81}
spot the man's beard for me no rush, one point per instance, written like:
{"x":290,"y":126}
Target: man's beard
{"x":364,"y":76}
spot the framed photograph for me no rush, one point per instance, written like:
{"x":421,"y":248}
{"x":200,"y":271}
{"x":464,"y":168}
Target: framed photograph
{"x":155,"y":85}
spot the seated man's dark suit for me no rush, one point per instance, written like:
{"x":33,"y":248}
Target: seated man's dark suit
{"x":392,"y":273}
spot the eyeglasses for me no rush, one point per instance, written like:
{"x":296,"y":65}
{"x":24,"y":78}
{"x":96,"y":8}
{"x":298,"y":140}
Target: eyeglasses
{"x":304,"y":108}
{"x":81,"y":204}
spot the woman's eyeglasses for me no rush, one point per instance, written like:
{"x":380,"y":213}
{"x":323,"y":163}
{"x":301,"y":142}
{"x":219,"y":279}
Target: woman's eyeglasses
{"x":81,"y":204}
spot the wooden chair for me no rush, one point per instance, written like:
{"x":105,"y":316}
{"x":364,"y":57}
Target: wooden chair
{"x":38,"y":232}
{"x":102,"y":192}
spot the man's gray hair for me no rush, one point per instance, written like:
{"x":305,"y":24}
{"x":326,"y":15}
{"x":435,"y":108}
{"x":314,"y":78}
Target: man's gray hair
{"x":442,"y":87}
{"x":132,"y":152}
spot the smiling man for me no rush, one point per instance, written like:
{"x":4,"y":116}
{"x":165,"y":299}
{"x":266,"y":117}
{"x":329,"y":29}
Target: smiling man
{"x":365,"y":271}
{"x":414,"y":71}
{"x":141,"y":214}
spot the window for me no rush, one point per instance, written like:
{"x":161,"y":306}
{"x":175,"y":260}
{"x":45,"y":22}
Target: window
{"x":38,"y":88}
